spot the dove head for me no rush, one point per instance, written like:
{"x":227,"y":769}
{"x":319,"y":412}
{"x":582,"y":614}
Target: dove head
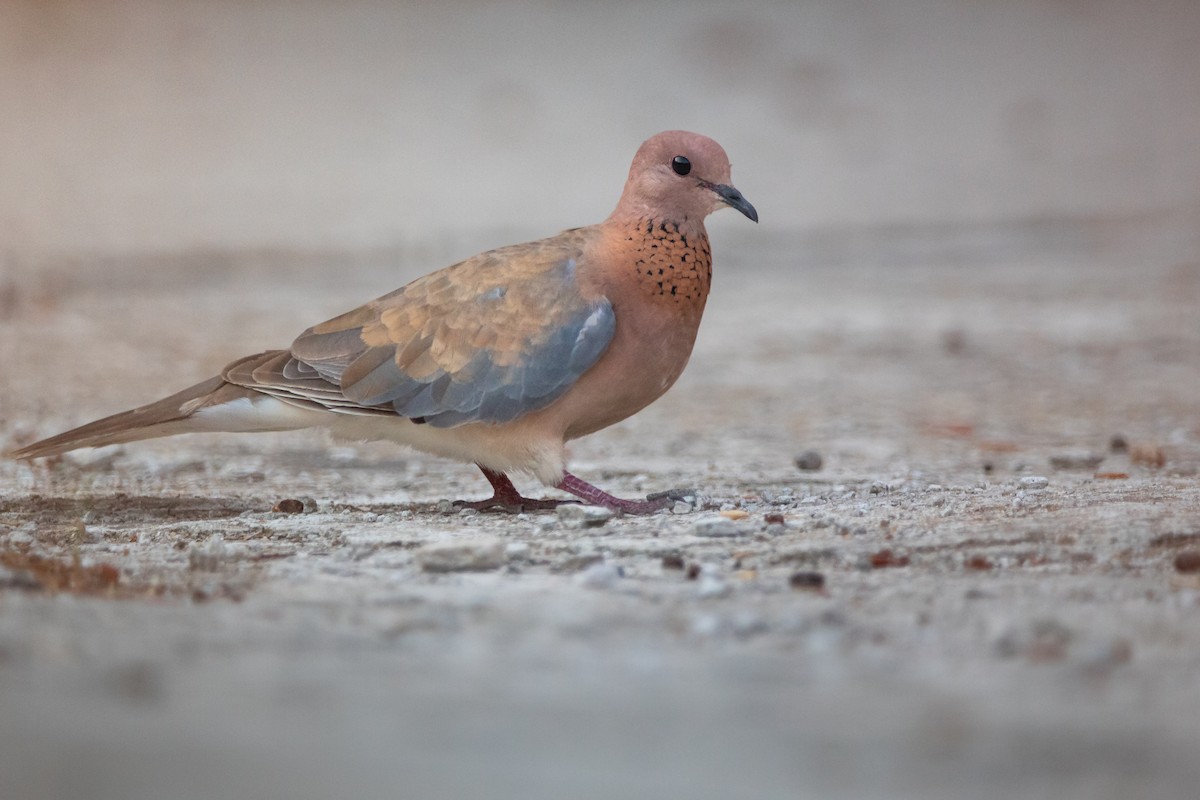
{"x":682,"y":177}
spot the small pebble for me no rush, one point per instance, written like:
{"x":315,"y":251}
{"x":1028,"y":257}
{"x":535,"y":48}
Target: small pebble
{"x":773,"y":519}
{"x":693,"y":572}
{"x":1118,"y":444}
{"x":714,"y":525}
{"x":1188,"y":561}
{"x":572,"y":515}
{"x":882,"y":559}
{"x":288,"y":505}
{"x":808,"y":461}
{"x":807,"y":580}
{"x":672,"y":561}
{"x":734,"y":514}
{"x":978,"y":563}
{"x":1033,"y":482}
{"x":1081,"y":461}
{"x":462,"y":555}
{"x":681,"y":507}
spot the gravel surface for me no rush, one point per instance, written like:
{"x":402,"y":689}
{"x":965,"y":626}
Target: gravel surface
{"x":945,"y":542}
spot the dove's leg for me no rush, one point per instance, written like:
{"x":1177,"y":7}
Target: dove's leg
{"x":505,"y":497}
{"x":598,"y":497}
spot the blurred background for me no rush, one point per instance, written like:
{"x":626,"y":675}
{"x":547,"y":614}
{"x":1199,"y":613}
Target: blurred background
{"x":139,"y":132}
{"x":996,"y":211}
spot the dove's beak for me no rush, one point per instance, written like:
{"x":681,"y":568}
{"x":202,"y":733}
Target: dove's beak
{"x":732,"y":197}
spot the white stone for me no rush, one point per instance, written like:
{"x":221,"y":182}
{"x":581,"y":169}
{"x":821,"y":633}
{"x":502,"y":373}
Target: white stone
{"x":573,"y":515}
{"x":474,"y":554}
{"x":600,"y":576}
{"x":714,"y":525}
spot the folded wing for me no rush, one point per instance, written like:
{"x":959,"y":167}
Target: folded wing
{"x":486,"y":340}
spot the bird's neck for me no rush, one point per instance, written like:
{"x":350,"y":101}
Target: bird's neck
{"x":669,"y":261}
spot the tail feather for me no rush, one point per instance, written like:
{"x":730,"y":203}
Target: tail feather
{"x":165,"y":417}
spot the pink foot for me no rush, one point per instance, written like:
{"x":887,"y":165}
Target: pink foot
{"x":598,"y":497}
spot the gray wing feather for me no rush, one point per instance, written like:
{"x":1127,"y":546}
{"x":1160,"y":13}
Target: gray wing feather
{"x":497,"y":394}
{"x":351,"y":377}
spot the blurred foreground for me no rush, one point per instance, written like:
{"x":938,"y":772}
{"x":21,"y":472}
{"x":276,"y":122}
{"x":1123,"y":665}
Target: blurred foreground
{"x":164,"y":634}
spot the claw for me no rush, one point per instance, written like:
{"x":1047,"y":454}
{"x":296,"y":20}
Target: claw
{"x":674,"y":495}
{"x":506,"y":499}
{"x":509,"y":505}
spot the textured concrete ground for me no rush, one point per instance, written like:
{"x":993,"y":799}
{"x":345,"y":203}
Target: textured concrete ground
{"x":921,"y":616}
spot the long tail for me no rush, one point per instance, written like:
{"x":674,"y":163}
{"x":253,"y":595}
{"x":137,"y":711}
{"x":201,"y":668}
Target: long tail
{"x":217,"y":404}
{"x":165,"y":417}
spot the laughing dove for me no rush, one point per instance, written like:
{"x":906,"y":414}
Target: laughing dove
{"x":498,"y":360}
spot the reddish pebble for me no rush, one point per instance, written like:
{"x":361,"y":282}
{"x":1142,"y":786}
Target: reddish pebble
{"x":672,"y":561}
{"x":288,"y":506}
{"x":977,"y":562}
{"x":886,"y":558}
{"x":773,"y":519}
{"x":1188,"y":561}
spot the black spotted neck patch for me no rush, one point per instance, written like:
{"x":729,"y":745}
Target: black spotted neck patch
{"x":670,"y":264}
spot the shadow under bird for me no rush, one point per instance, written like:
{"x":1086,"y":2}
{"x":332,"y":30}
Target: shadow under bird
{"x":500,"y":359}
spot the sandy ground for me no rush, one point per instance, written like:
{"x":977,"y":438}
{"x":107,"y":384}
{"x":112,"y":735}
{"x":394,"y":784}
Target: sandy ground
{"x":910,"y":620}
